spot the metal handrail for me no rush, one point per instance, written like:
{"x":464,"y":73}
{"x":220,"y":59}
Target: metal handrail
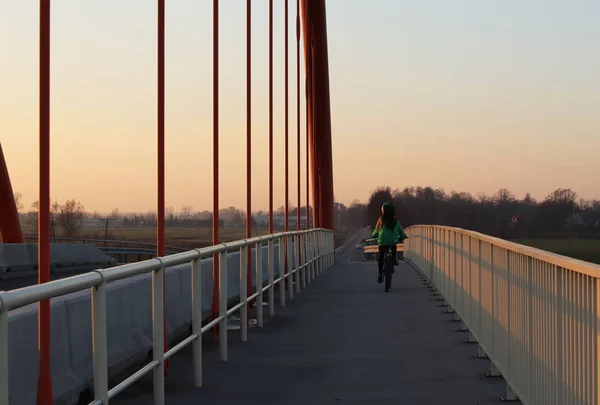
{"x":533,"y":313}
{"x":316,"y":255}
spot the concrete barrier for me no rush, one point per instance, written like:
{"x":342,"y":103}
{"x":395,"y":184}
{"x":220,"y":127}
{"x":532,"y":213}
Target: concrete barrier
{"x":129,"y":328}
{"x":20,"y":260}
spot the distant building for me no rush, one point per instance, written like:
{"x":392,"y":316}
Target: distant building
{"x":262,"y":221}
{"x":100,"y":223}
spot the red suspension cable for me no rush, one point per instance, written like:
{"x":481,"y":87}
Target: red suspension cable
{"x":44,"y":392}
{"x":271,"y":116}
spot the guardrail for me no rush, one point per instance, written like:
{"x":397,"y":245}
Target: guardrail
{"x":107,"y":242}
{"x":316,"y":255}
{"x":533,"y":313}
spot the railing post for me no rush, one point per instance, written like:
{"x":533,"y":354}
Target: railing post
{"x":317,"y":256}
{"x":463,"y":284}
{"x":259,"y":285}
{"x":158,"y":334}
{"x":530,"y":327}
{"x":480,"y":302}
{"x":290,"y":240}
{"x":327,"y":250}
{"x":4,"y":394}
{"x":297,"y":261}
{"x":560,"y":307}
{"x":509,"y":308}
{"x":99,"y":344}
{"x":319,"y":252}
{"x":470,"y":279}
{"x":331,"y":249}
{"x":454,"y":304}
{"x":223,"y":305}
{"x":244,"y":293}
{"x":281,"y":271}
{"x":308,"y":263}
{"x":494,"y":295}
{"x":270,"y":277}
{"x":443,"y":269}
{"x":304,"y":258}
{"x":332,"y":245}
{"x":197,"y":319}
{"x":313,"y":256}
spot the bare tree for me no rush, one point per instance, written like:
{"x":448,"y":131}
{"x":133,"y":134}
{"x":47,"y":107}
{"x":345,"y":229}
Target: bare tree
{"x":169,"y":213}
{"x":19,"y":201}
{"x":70,"y":217}
{"x":186,"y":213}
{"x":504,"y":196}
{"x":32,"y":215}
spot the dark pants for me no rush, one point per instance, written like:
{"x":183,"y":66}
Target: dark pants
{"x":382,"y":251}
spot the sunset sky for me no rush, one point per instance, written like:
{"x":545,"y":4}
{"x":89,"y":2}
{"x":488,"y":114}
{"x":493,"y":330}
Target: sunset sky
{"x":468,"y":95}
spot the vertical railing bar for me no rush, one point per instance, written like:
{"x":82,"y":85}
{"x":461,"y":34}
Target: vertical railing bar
{"x":244,"y":293}
{"x":223,"y":305}
{"x":288,"y":262}
{"x":196,"y":266}
{"x":158,"y":335}
{"x":494,"y":293}
{"x":99,"y":341}
{"x":304,"y":253}
{"x":297,"y":261}
{"x":559,"y":332}
{"x":596,"y":347}
{"x":259,"y":285}
{"x":270,"y":274}
{"x":281,"y":252}
{"x":508,"y":310}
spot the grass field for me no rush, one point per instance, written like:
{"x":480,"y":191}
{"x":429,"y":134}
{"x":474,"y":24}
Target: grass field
{"x":582,"y":249}
{"x":189,"y":238}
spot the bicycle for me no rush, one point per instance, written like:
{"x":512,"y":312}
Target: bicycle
{"x":388,"y":269}
{"x":389,"y":262}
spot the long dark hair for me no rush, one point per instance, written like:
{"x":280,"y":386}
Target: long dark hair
{"x":389,"y":219}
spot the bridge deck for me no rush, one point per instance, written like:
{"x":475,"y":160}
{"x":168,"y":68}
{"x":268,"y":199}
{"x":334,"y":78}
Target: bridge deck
{"x":342,"y":340}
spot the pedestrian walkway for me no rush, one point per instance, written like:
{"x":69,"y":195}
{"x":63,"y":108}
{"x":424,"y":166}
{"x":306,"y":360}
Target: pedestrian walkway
{"x":342,"y":340}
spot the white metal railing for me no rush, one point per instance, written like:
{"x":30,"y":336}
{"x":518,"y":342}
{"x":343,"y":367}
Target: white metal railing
{"x":316,"y":254}
{"x":535,"y":314}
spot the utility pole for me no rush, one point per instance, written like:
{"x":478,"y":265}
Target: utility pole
{"x":52,"y":226}
{"x":107,"y":222}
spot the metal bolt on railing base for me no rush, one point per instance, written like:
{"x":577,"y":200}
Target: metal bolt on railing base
{"x":494,"y":373}
{"x":234,"y":323}
{"x":470,"y":339}
{"x":463,"y":328}
{"x":510,"y":395}
{"x":480,"y":354}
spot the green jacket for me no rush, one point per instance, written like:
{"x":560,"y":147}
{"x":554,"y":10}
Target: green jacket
{"x":385,"y":237}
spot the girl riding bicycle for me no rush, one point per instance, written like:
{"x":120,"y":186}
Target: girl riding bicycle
{"x":388,"y":231}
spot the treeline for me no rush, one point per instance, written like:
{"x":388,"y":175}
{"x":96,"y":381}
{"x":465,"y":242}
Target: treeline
{"x":186,"y":217}
{"x":561,"y":213}
{"x":70,"y":219}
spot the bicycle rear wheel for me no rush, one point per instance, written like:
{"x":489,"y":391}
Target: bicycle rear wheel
{"x":388,"y":280}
